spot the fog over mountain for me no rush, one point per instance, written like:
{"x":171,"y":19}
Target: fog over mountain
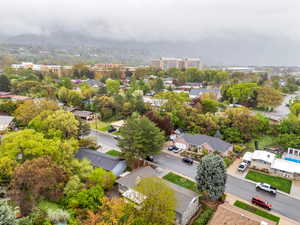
{"x":249,"y":32}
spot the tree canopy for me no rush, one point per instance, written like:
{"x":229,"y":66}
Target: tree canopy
{"x":36,"y":179}
{"x":159,"y":205}
{"x":140,"y":138}
{"x":211,"y":176}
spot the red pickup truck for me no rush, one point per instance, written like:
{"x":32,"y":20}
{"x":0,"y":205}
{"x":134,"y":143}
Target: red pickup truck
{"x":261,"y":202}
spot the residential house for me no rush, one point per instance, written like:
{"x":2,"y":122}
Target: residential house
{"x":6,"y":122}
{"x":197,"y":92}
{"x":227,"y":214}
{"x":12,"y":97}
{"x":286,"y":168}
{"x":199,"y":142}
{"x":262,"y":160}
{"x":169,"y":82}
{"x":155,"y":102}
{"x":187,"y":202}
{"x":98,"y":159}
{"x":94,"y":83}
{"x":118,"y":124}
{"x":85,"y":115}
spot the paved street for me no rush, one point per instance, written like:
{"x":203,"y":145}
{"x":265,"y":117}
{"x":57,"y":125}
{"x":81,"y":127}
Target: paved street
{"x":282,"y":110}
{"x":282,"y":204}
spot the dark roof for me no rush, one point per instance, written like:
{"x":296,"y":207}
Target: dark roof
{"x":98,"y":159}
{"x":199,"y":139}
{"x":183,"y":196}
{"x":94,"y":83}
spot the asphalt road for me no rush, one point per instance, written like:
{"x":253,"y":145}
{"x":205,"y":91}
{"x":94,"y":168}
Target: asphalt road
{"x":282,"y":204}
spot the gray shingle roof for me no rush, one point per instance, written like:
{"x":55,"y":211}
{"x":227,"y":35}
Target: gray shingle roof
{"x":199,"y":139}
{"x":198,"y":91}
{"x":183,"y":196}
{"x":95,"y":83}
{"x":98,"y":159}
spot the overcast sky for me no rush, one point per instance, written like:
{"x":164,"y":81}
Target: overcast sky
{"x":154,"y":19}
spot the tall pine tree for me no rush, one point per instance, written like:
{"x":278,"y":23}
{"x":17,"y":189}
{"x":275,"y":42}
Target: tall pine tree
{"x":4,"y":83}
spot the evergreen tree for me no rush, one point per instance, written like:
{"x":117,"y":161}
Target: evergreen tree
{"x":4,"y":83}
{"x":211,"y":176}
{"x":140,"y":138}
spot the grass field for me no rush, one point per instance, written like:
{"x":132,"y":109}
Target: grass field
{"x":257,"y":211}
{"x":113,"y":152}
{"x":45,"y":205}
{"x":277,"y":182}
{"x":181,"y":181}
{"x":99,"y":125}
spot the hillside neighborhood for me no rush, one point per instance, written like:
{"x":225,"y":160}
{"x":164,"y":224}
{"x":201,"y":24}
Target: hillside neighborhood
{"x":170,"y":143}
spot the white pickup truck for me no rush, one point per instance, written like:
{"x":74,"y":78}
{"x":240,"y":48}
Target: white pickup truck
{"x":266,"y":187}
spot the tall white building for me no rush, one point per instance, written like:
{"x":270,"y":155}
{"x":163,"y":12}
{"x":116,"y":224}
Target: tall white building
{"x":179,"y":63}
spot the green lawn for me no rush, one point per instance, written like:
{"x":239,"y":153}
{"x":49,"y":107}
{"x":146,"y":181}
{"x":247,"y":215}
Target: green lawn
{"x":278,"y":182}
{"x":45,"y":205}
{"x":181,"y":181}
{"x":113,"y":152}
{"x":257,"y":211}
{"x":99,"y":125}
{"x":266,"y":141}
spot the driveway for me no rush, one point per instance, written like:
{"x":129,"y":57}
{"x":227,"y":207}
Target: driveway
{"x":106,"y":141}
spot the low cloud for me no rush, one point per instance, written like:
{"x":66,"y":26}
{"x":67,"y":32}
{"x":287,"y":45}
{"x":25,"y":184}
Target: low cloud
{"x":154,"y":20}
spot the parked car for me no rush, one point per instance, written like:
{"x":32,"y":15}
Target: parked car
{"x":177,"y":150}
{"x":261,"y":202}
{"x":188,"y":161}
{"x":266,"y":187}
{"x":150,"y":158}
{"x":111,"y":129}
{"x":173,"y":148}
{"x":242,"y":167}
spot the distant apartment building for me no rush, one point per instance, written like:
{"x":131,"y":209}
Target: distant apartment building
{"x":104,"y":70}
{"x":57,"y":69}
{"x":179,"y":63}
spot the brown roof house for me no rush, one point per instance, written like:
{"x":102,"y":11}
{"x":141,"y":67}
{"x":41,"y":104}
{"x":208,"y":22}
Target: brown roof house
{"x":187,"y":202}
{"x":227,"y":214}
{"x":198,"y":141}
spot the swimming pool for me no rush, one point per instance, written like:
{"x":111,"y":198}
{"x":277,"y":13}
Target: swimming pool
{"x":292,"y":160}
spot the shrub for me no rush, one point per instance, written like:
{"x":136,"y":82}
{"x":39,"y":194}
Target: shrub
{"x":58,"y":215}
{"x":204,"y":217}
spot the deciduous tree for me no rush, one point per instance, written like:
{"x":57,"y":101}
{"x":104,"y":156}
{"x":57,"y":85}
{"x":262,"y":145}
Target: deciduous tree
{"x":268,"y":97}
{"x":158,"y":207}
{"x":36,"y":179}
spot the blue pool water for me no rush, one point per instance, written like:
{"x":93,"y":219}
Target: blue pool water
{"x":292,"y":160}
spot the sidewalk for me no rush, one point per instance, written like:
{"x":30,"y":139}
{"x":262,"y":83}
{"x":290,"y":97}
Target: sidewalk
{"x":283,"y":220}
